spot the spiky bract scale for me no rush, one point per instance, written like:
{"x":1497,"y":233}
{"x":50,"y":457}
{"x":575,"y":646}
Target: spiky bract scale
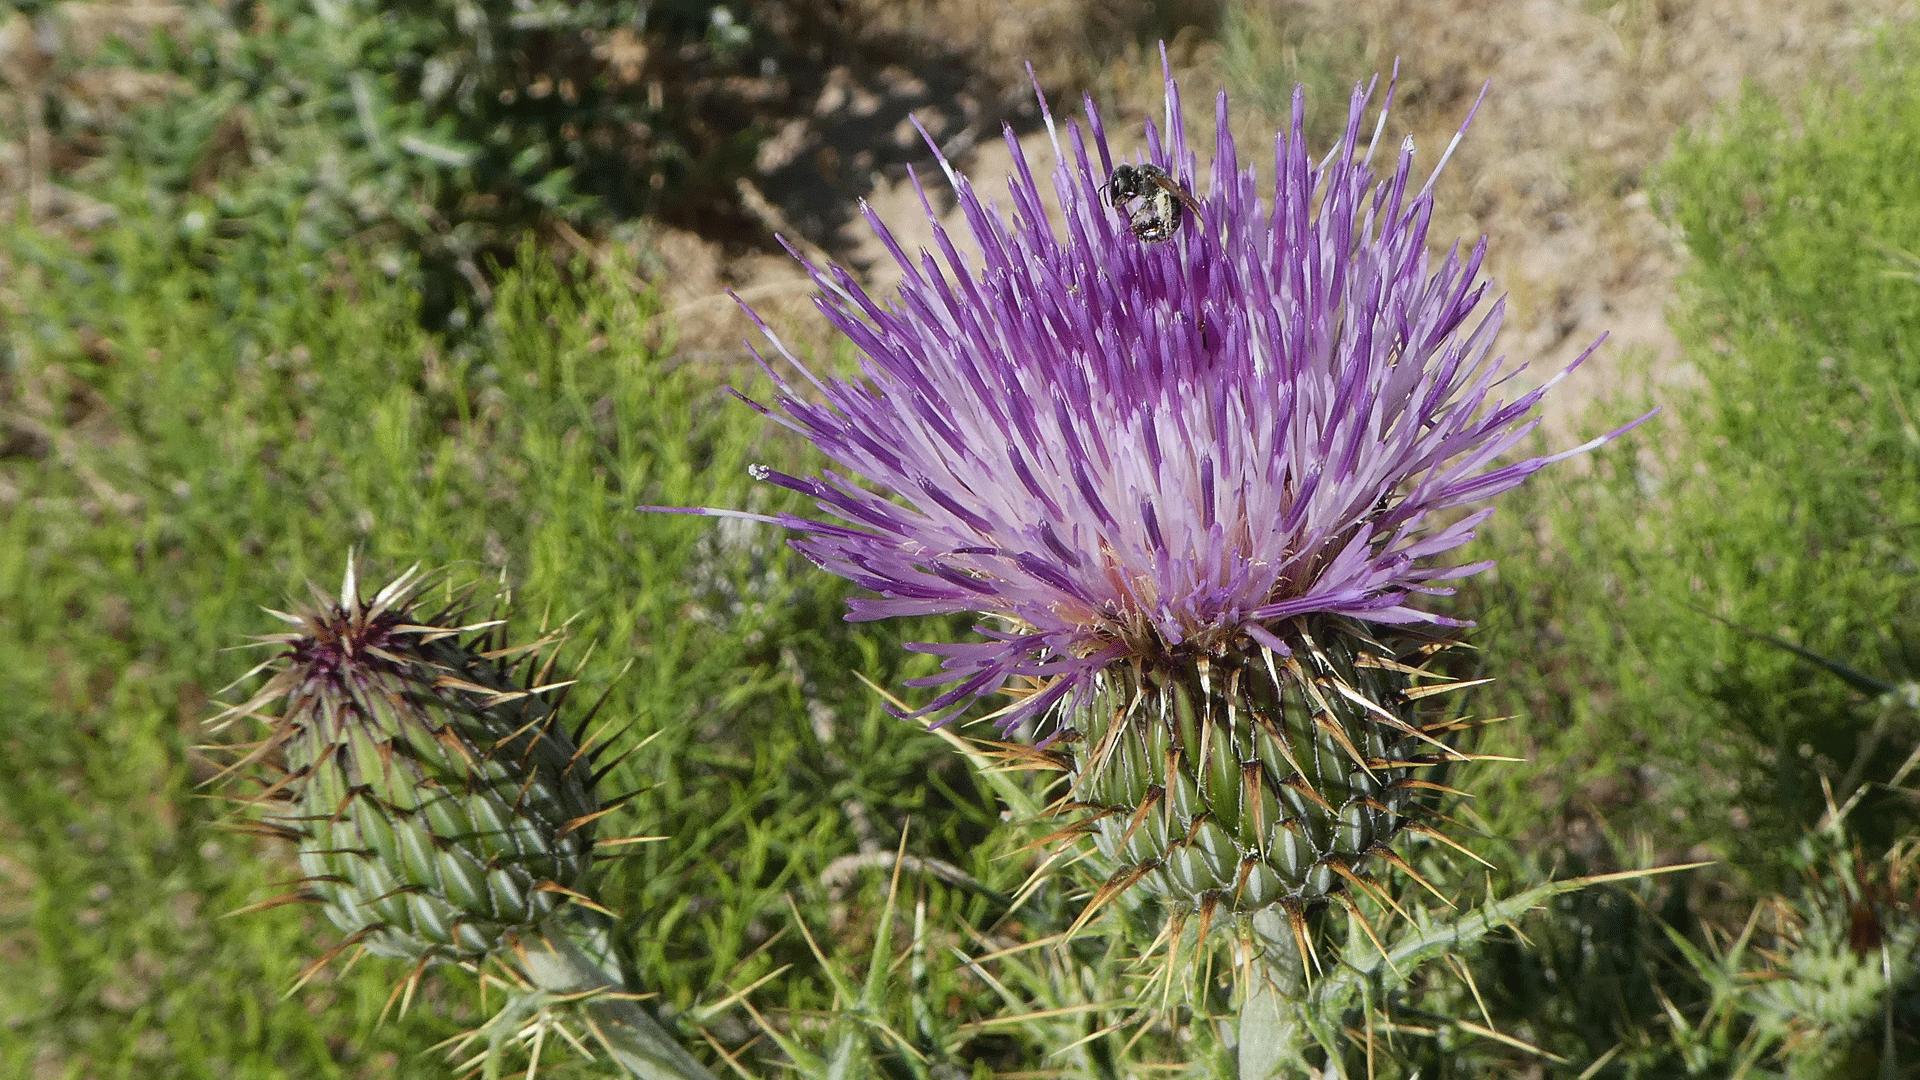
{"x":438,"y":801}
{"x":1232,"y":783}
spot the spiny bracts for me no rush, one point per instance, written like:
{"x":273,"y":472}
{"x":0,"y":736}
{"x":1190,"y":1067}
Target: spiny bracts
{"x":438,"y":802}
{"x":1224,"y":785}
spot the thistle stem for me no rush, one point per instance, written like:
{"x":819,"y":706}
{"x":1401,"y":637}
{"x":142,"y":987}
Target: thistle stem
{"x":1262,"y":1055}
{"x":1269,"y":1030}
{"x":556,"y":965}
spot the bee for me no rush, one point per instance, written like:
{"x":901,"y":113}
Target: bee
{"x":1159,"y":198}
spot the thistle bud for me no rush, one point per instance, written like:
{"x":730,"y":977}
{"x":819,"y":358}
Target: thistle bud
{"x":437,"y":801}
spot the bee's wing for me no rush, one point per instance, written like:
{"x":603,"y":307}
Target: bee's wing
{"x":1174,"y":188}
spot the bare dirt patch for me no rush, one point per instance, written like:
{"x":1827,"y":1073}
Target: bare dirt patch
{"x":1584,"y":100}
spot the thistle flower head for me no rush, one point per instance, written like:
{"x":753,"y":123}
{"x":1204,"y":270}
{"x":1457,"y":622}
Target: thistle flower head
{"x":1183,"y":415}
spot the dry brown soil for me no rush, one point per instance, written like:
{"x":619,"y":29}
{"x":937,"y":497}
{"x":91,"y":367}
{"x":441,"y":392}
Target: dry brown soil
{"x":1584,"y":99}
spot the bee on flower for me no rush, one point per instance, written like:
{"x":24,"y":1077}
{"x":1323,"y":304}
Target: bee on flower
{"x":1152,"y":200}
{"x":1203,"y":489}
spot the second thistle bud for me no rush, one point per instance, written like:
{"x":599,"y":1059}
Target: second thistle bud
{"x":438,"y":802}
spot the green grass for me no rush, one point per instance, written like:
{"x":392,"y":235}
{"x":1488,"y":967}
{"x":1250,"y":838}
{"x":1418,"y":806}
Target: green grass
{"x":198,"y":444}
{"x":1778,"y":494}
{"x":1781,"y":496}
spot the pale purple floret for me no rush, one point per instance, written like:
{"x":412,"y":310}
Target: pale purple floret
{"x":1131,"y":449}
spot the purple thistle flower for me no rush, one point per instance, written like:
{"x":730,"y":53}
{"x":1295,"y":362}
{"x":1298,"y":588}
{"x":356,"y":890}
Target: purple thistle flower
{"x":1130,"y":450}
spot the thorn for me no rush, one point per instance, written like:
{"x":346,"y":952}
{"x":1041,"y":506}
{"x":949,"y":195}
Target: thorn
{"x":1154,"y":794}
{"x":1332,"y":727}
{"x":1411,"y":761}
{"x":1467,"y":973}
{"x":1382,"y":663}
{"x":1436,"y":834}
{"x":298,"y":896}
{"x":1365,"y":884}
{"x":1428,"y":812}
{"x":601,"y":771}
{"x":1240,"y":879}
{"x":1209,"y":904}
{"x":326,"y":958}
{"x":1386,"y":854}
{"x":600,"y":702}
{"x":588,"y":819}
{"x":1427,"y":785}
{"x":621,"y":840}
{"x":1299,"y":784}
{"x":1171,"y":768}
{"x":403,"y":989}
{"x":1464,"y":723}
{"x":1463,"y":756}
{"x":1308,"y":685}
{"x":1122,"y":880}
{"x":1175,"y":932}
{"x":1297,"y":919}
{"x":266,"y":829}
{"x":1274,"y":730}
{"x":1252,"y":785}
{"x":1353,"y":909}
{"x":1022,"y":757}
{"x":579,"y":898}
{"x":1407,"y":729}
{"x":408,"y":889}
{"x":1415,"y":693}
{"x":1060,"y":836}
